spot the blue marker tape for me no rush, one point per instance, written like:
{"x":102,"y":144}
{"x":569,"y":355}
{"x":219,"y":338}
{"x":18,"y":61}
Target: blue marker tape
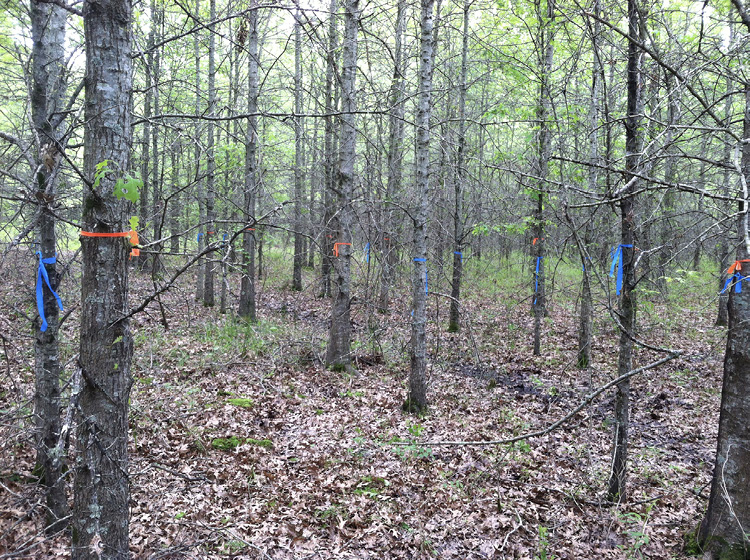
{"x":43,"y":278}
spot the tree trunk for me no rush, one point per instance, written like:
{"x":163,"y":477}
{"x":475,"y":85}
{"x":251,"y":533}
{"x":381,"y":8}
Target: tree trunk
{"x":586,"y":317}
{"x":48,"y":90}
{"x":633,"y":144}
{"x":458,"y":211}
{"x":100,"y":515}
{"x":157,"y":15}
{"x":724,"y":528}
{"x":209,"y":297}
{"x":247,"y":284}
{"x":326,"y":245}
{"x":395,"y":157}
{"x":416,"y":401}
{"x":339,"y":341}
{"x":542,"y":166}
{"x":201,"y":236}
{"x":298,"y":237}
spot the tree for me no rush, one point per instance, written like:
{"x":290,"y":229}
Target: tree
{"x":458,"y":211}
{"x":416,"y":400}
{"x":625,"y":253}
{"x":724,"y":527}
{"x":100,"y":512}
{"x":47,"y":97}
{"x":299,"y":240}
{"x":338,"y":353}
{"x":209,"y":297}
{"x":247,"y":284}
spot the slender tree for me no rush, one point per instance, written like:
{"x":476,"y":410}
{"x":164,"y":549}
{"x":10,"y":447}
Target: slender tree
{"x":47,"y":96}
{"x":625,"y":253}
{"x":460,"y":175}
{"x":100,"y":516}
{"x":299,"y":239}
{"x":209,"y":296}
{"x":416,"y":401}
{"x":339,"y":340}
{"x":247,"y":285}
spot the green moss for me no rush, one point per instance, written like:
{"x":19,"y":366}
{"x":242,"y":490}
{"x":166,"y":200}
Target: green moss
{"x":241,"y":402}
{"x":226,"y":444}
{"x":265,"y":443}
{"x":232,"y":442}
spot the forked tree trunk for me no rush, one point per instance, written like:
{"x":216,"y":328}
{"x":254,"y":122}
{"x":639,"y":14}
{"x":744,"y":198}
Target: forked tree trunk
{"x":338,"y":353}
{"x":247,"y":284}
{"x":416,"y":400}
{"x":48,"y":91}
{"x":100,"y":514}
{"x":633,"y":143}
{"x":458,"y":211}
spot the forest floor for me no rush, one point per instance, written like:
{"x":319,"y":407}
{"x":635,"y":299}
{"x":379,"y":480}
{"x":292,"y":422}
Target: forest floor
{"x":243,"y":445}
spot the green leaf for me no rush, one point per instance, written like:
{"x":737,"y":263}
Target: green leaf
{"x":128,"y":188}
{"x":134,"y":223}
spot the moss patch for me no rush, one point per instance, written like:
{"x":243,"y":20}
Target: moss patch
{"x":241,"y":402}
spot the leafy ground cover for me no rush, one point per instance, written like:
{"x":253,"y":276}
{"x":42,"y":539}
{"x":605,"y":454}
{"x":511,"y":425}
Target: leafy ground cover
{"x":243,"y":445}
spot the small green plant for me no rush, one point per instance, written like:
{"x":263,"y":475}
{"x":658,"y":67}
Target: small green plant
{"x":635,"y":528}
{"x":233,"y":442}
{"x":544,"y":552}
{"x":242,"y":402}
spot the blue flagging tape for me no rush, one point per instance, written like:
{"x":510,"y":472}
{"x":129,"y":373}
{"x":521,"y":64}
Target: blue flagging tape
{"x":617,"y":258}
{"x":43,"y":278}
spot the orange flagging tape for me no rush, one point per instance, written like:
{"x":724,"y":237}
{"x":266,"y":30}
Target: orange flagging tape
{"x":737,"y":266}
{"x":249,"y":229}
{"x":135,"y":251}
{"x":336,"y":248}
{"x":535,"y":240}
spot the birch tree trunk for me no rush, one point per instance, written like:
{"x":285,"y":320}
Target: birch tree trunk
{"x":416,"y":401}
{"x":47,"y":95}
{"x":247,"y":284}
{"x":458,"y":211}
{"x":338,"y":353}
{"x":100,"y":512}
{"x":633,"y":146}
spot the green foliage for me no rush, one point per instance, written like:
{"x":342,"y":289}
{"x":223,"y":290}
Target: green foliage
{"x":127,"y":187}
{"x":544,"y":553}
{"x":242,"y":402}
{"x":233,"y":442}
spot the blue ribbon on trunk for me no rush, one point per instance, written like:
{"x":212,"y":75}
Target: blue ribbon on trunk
{"x":737,"y":278}
{"x":617,"y":258}
{"x":43,"y":278}
{"x":536,"y":278}
{"x":420,"y":259}
{"x":367,"y":253}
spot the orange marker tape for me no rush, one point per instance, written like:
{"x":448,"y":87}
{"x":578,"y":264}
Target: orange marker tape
{"x":737,"y":266}
{"x":132,"y":235}
{"x":336,"y":248}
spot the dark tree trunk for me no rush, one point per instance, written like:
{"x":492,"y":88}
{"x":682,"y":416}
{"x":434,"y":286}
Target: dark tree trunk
{"x":209,"y":297}
{"x":633,"y":135}
{"x":48,"y":90}
{"x":100,"y":516}
{"x":458,"y":211}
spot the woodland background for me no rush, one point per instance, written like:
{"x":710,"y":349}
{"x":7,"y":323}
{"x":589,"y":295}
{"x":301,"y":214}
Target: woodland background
{"x":365,"y":231}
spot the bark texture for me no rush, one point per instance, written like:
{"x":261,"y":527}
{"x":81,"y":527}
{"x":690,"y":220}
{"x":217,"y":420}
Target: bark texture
{"x":633,"y":145}
{"x":100,"y":517}
{"x":47,"y":95}
{"x":247,"y":284}
{"x":338,"y":353}
{"x":416,"y":400}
